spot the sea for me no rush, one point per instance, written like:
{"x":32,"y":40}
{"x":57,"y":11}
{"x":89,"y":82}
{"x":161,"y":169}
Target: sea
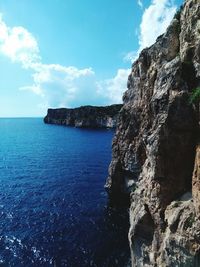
{"x":54,"y":210}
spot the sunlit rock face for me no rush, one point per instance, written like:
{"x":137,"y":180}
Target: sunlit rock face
{"x":155,"y":146}
{"x":86,"y":116}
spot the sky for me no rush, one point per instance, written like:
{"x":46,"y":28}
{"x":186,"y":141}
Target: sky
{"x":68,"y":53}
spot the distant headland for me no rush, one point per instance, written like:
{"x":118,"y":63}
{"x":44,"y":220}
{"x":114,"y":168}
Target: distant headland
{"x":85,"y":116}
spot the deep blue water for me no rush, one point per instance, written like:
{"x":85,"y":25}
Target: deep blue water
{"x":53,"y":207}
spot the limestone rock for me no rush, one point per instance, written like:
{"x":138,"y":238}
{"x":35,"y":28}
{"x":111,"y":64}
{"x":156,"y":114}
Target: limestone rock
{"x":86,"y":116}
{"x":196,"y":182}
{"x":154,"y":147}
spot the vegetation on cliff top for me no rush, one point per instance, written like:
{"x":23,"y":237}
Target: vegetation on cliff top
{"x":195,"y":97}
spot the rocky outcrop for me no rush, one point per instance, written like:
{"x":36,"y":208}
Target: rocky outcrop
{"x":155,"y":145}
{"x":86,"y":116}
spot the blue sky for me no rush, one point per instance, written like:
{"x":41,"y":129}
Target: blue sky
{"x":69,"y":53}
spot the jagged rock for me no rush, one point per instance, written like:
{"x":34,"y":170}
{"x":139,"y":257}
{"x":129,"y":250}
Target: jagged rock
{"x":180,"y":237}
{"x":86,"y":116}
{"x":154,"y":147}
{"x":181,"y":240}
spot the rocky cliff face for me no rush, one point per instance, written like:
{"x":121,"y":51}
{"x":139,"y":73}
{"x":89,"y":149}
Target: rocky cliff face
{"x":86,"y":116}
{"x":155,"y":146}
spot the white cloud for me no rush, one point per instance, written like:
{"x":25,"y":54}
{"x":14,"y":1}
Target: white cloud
{"x":140,"y":3}
{"x":62,"y":86}
{"x":18,"y":44}
{"x":58,"y":85}
{"x":155,"y":20}
{"x":115,"y":87}
{"x":69,"y":86}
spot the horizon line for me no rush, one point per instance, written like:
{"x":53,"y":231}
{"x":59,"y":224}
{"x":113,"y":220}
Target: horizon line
{"x":22,"y":117}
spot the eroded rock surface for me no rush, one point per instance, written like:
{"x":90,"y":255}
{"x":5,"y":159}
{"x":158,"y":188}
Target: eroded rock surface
{"x":196,"y":182}
{"x":155,"y":146}
{"x":86,"y":116}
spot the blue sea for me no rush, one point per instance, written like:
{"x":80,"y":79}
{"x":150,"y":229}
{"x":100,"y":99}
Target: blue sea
{"x":54,"y":210}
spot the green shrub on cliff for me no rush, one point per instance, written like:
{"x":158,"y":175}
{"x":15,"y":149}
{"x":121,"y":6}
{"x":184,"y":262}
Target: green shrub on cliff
{"x":195,"y":96}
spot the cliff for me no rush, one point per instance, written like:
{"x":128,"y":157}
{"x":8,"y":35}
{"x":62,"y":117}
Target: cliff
{"x":86,"y":116}
{"x":156,"y":152}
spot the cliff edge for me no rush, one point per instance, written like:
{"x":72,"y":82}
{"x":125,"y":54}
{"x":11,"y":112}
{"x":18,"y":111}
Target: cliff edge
{"x":156,"y":151}
{"x":85,"y":116}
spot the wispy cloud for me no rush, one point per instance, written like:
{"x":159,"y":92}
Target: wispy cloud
{"x":115,"y":87}
{"x":140,"y":3}
{"x":131,"y":56}
{"x":155,"y":20}
{"x":56,"y":84}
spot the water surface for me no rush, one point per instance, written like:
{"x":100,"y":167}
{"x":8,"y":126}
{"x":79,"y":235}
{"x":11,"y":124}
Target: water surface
{"x":53,"y":207}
